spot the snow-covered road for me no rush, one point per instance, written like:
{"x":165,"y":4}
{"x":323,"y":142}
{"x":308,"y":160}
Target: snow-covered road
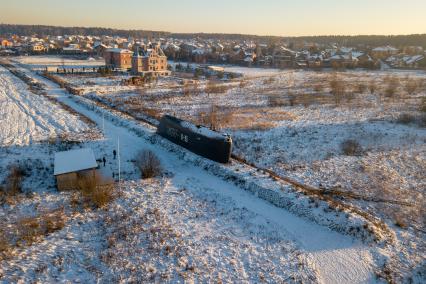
{"x":336,"y":258}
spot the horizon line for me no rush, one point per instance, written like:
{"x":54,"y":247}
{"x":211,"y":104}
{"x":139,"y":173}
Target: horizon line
{"x":214,"y":33}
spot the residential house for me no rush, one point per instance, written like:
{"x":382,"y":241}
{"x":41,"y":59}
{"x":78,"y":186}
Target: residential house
{"x":118,"y":58}
{"x":283,"y":57}
{"x":36,"y":47}
{"x":4,"y":43}
{"x":72,"y":49}
{"x":342,"y":61}
{"x":99,"y":49}
{"x":314,"y":61}
{"x":149,"y":60}
{"x":382,"y":52}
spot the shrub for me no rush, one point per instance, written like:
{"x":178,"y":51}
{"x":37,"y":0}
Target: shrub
{"x":392,"y":86}
{"x":399,"y":222}
{"x":53,"y":221}
{"x":406,"y":118}
{"x":276,"y":101}
{"x":243,"y":83}
{"x":149,"y":164}
{"x":5,"y":246}
{"x":14,"y":180}
{"x":338,"y":89}
{"x":268,"y":81}
{"x":318,"y":88}
{"x":351,"y":147}
{"x":291,"y":98}
{"x":372,"y":87}
{"x":29,"y":229}
{"x":361,"y":87}
{"x":213,"y":88}
{"x":93,"y":191}
{"x":102,"y":195}
{"x":411,"y":86}
{"x":422,"y":120}
{"x":423,"y":105}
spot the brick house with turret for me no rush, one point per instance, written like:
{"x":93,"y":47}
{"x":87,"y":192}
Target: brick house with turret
{"x":149,"y":59}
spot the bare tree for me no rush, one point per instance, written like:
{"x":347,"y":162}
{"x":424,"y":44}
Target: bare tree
{"x":411,"y":86}
{"x":392,"y":84}
{"x":372,"y":87}
{"x":148,"y":163}
{"x":338,"y":89}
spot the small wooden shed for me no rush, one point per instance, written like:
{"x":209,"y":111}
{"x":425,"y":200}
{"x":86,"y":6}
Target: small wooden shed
{"x":69,"y":165}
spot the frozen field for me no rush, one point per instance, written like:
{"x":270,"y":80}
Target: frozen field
{"x":291,"y":122}
{"x":56,"y":61}
{"x":26,"y":117}
{"x":286,"y":120}
{"x":184,"y":226}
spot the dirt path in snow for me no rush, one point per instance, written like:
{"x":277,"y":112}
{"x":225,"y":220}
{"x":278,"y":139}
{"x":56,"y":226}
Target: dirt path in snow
{"x":335,"y":257}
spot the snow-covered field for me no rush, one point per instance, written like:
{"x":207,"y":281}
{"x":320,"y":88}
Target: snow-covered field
{"x":56,"y":61}
{"x":26,"y":117}
{"x":190,"y":225}
{"x":303,"y":139}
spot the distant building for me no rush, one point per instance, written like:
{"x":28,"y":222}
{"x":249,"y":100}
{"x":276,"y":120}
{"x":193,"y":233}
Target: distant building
{"x":283,"y":57}
{"x":5,"y":43}
{"x":118,"y":58}
{"x":150,"y":60}
{"x":384,"y":51}
{"x":72,"y":49}
{"x":343,"y":61}
{"x":99,"y":49}
{"x":36,"y":47}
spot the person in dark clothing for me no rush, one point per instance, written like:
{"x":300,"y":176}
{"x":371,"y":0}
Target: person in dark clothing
{"x":104,"y":160}
{"x":114,"y":153}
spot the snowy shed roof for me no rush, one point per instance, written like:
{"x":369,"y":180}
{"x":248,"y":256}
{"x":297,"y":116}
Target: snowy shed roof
{"x":74,"y":161}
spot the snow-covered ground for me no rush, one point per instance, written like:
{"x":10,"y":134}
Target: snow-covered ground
{"x":197,"y":226}
{"x":187,"y":224}
{"x":26,"y":117}
{"x":57,"y":61}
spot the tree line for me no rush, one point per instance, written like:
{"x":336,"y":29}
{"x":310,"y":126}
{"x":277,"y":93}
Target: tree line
{"x":359,"y":40}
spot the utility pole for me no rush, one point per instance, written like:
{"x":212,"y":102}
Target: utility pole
{"x":119,"y":162}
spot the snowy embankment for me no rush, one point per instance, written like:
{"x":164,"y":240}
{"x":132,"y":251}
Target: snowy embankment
{"x":41,"y":62}
{"x":26,"y":117}
{"x":337,"y":258}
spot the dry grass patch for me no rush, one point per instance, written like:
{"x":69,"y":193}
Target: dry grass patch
{"x":258,"y":118}
{"x":351,"y":147}
{"x":27,"y":230}
{"x":243,"y":118}
{"x":13,"y":185}
{"x":216,"y":88}
{"x":95,"y":190}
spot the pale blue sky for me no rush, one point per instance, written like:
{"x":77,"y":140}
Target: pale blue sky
{"x":263,"y":17}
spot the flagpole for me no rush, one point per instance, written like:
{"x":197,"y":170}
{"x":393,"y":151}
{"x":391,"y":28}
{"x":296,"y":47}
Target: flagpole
{"x":119,"y":162}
